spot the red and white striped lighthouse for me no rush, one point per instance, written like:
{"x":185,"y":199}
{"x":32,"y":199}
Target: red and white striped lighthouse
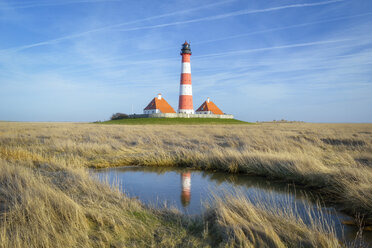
{"x":185,"y":105}
{"x":186,"y":188}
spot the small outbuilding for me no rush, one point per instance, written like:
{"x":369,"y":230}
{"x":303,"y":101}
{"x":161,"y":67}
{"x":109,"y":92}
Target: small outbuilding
{"x":208,"y":107}
{"x":158,"y":105}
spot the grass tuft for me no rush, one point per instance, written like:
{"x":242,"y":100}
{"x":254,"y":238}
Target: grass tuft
{"x":48,"y":198}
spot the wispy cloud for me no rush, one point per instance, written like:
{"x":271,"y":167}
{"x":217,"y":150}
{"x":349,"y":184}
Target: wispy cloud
{"x":284,"y":28}
{"x":123,"y":61}
{"x":77,"y":35}
{"x":230,"y":14}
{"x":34,"y":4}
{"x":209,"y":18}
{"x":305,"y":44}
{"x":271,"y":64}
{"x":166,"y":61}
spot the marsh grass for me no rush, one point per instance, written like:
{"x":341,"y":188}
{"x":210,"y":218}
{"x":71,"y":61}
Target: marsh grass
{"x":54,"y":206}
{"x":48,"y":199}
{"x":250,"y":222}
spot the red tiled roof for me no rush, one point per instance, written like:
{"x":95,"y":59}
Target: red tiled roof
{"x":160,"y":104}
{"x":210,"y":106}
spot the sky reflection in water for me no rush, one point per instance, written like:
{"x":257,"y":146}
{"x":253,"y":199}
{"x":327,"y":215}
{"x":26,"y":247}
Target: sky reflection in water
{"x":189,"y":191}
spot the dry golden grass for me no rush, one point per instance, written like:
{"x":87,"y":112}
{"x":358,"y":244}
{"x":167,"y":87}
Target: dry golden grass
{"x":54,"y":206}
{"x":47,"y":198}
{"x":250,"y":223}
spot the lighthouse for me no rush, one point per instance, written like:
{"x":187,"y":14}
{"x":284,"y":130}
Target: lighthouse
{"x":185,"y":105}
{"x":186,"y":188}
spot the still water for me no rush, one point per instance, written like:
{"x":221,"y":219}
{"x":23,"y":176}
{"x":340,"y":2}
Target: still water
{"x":189,"y":191}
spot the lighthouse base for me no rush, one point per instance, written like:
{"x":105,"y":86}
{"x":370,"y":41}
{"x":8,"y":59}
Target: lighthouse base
{"x":186,"y":111}
{"x":180,"y":115}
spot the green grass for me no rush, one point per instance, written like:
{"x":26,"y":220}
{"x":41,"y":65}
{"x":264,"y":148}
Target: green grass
{"x":174,"y":121}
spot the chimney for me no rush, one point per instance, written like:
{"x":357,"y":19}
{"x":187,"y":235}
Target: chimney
{"x":207,"y":99}
{"x":159,"y":96}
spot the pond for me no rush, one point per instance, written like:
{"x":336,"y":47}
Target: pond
{"x":190,"y":190}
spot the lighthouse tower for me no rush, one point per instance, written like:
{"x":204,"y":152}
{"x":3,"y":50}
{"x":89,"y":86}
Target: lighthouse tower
{"x":185,"y":105}
{"x":186,"y":188}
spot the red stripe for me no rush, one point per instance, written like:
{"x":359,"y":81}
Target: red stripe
{"x":185,"y":78}
{"x":185,"y":102}
{"x":186,"y":57}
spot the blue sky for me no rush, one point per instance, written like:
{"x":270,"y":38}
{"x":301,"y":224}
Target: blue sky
{"x":83,"y":60}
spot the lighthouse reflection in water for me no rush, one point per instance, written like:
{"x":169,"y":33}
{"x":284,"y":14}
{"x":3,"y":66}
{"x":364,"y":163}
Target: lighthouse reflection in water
{"x":186,"y":188}
{"x":172,"y":187}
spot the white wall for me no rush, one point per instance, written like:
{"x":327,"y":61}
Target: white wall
{"x":151,"y":111}
{"x":203,"y":112}
{"x":174,"y":115}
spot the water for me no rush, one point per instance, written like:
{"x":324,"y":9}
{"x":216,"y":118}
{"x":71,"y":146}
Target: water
{"x":189,"y":191}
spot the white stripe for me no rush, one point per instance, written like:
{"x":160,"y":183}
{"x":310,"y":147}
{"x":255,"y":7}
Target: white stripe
{"x":186,"y":68}
{"x":186,"y":183}
{"x":185,"y":90}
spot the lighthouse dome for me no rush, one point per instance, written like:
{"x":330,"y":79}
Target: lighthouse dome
{"x":186,"y":48}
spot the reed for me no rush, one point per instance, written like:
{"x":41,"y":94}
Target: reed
{"x":49,"y":205}
{"x":55,"y":206}
{"x":47,"y":196}
{"x":243,"y":222}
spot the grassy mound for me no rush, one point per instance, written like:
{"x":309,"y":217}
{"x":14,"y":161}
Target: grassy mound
{"x":175,"y":121}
